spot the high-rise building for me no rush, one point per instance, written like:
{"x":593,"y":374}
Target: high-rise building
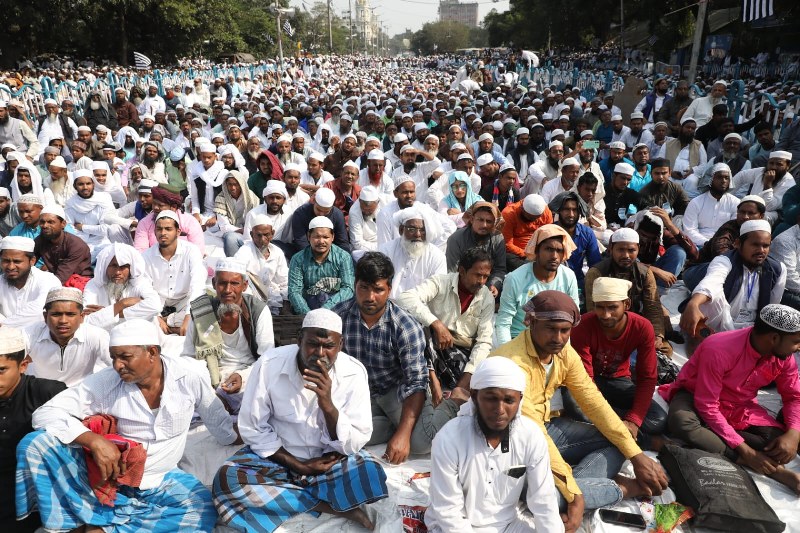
{"x":454,"y":11}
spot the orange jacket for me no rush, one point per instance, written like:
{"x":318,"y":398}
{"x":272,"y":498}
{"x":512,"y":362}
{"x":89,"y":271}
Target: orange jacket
{"x":517,"y":230}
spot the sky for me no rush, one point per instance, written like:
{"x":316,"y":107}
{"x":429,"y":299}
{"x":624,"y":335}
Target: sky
{"x":400,"y":15}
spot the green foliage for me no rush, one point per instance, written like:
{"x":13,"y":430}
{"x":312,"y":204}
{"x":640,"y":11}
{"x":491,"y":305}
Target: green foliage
{"x":440,"y":37}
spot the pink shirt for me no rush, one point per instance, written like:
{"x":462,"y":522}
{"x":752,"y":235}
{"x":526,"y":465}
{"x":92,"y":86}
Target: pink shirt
{"x":725,"y":374}
{"x":191,"y":231}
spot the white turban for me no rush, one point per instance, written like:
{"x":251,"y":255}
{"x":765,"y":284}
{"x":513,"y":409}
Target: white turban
{"x":720,"y":167}
{"x":125,"y":254}
{"x":498,"y":372}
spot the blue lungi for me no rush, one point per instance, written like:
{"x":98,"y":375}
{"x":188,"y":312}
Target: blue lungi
{"x":53,"y":478}
{"x":257,"y":495}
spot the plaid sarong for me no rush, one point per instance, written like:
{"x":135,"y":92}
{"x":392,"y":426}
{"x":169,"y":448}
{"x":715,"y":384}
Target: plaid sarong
{"x":53,"y":478}
{"x":257,"y":495}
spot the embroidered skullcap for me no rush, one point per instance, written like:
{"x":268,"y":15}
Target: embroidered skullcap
{"x":720,"y":167}
{"x":684,"y":120}
{"x":780,"y":154}
{"x":316,"y":156}
{"x":234,"y":266}
{"x":636,"y":115}
{"x":419,"y":126}
{"x":176,"y":154}
{"x":458,"y":146}
{"x":323,"y":319}
{"x":30,"y":198}
{"x":753,"y":198}
{"x":401,"y":179}
{"x":625,"y":235}
{"x":406,"y":148}
{"x":375,"y":155}
{"x":275,"y":187}
{"x":533,"y":204}
{"x":82,"y":173}
{"x":640,"y":145}
{"x":721,"y":82}
{"x":507,"y":167}
{"x":206,"y":148}
{"x":134,"y":332}
{"x":400,"y":137}
{"x":54,"y":209}
{"x":64,"y":294}
{"x":553,"y":305}
{"x":499,"y":372}
{"x":732,"y":135}
{"x":616,"y":118}
{"x":320,"y":222}
{"x":556,"y":132}
{"x":610,"y":289}
{"x":12,"y":340}
{"x":781,"y":317}
{"x":554,"y":144}
{"x":587,"y":133}
{"x":324,"y":198}
{"x":260,"y":220}
{"x":168,"y":213}
{"x":350,"y":164}
{"x":22,"y":244}
{"x":755,"y":225}
{"x":616,"y":145}
{"x":623,"y":168}
{"x":285,"y":138}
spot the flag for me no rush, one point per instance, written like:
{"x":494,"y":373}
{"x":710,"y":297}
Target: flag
{"x":288,"y":28}
{"x":756,"y":9}
{"x":141,"y":60}
{"x":652,"y":40}
{"x":269,"y":39}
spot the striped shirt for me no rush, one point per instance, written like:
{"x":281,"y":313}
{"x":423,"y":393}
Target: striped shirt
{"x":308,"y":278}
{"x":393,"y":350}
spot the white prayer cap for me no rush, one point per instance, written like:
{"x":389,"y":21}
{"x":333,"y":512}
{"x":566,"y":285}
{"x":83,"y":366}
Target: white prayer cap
{"x":780,"y":154}
{"x":419,"y":126}
{"x":54,"y":209}
{"x":351,"y":164}
{"x":586,"y":133}
{"x":4,"y":193}
{"x":570,"y":162}
{"x":58,"y":162}
{"x":616,"y":145}
{"x":485,"y":159}
{"x":291,"y":166}
{"x":323,"y":319}
{"x":732,"y":135}
{"x":324,"y":198}
{"x":625,"y":235}
{"x":498,"y":372}
{"x":409,"y":213}
{"x":285,"y":138}
{"x":369,"y":194}
{"x":747,"y":227}
{"x":234,"y":266}
{"x":497,"y":125}
{"x":623,"y":168}
{"x":458,"y":146}
{"x":406,"y":148}
{"x":486,"y":137}
{"x":465,"y":155}
{"x":12,"y":340}
{"x":82,"y":173}
{"x":22,"y":244}
{"x":401,"y":179}
{"x":297,"y":135}
{"x":554,"y":144}
{"x":64,"y":294}
{"x":684,"y":120}
{"x":522,"y":131}
{"x":101,"y":127}
{"x":780,"y":317}
{"x":316,"y":156}
{"x":721,"y":82}
{"x":146,"y":186}
{"x":50,"y":101}
{"x":349,"y":136}
{"x":533,"y":204}
{"x":275,"y":187}
{"x":206,"y":148}
{"x":99,"y":165}
{"x":400,"y":137}
{"x":753,"y":198}
{"x":610,"y":290}
{"x":616,"y":118}
{"x":30,"y":198}
{"x":375,"y":155}
{"x":720,"y":167}
{"x":556,"y":132}
{"x":547,"y":116}
{"x":134,"y":332}
{"x":637,"y":114}
{"x":320,"y":222}
{"x":168,"y":213}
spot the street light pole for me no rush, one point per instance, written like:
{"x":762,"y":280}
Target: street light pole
{"x":330,"y":29}
{"x":280,"y":40}
{"x":698,"y":36}
{"x":350,"y":12}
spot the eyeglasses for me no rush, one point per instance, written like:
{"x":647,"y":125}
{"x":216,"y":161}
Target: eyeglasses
{"x":414,"y":230}
{"x":459,"y":185}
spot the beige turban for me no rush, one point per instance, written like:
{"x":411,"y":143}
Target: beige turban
{"x":610,"y":290}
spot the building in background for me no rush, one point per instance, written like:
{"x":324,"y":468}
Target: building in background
{"x":454,"y":11}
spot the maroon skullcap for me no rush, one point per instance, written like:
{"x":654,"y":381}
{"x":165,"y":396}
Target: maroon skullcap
{"x":166,"y":197}
{"x":553,"y":305}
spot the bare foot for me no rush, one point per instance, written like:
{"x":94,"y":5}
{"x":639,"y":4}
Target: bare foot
{"x":788,"y":478}
{"x":629,"y":486}
{"x":358,"y":516}
{"x":459,"y":395}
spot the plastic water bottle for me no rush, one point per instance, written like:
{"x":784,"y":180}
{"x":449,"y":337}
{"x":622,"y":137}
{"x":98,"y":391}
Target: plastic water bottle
{"x":667,"y":207}
{"x":621,"y":214}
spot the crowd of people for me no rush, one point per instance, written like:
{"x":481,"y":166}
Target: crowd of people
{"x":482,"y":265}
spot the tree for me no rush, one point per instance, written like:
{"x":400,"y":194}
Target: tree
{"x":440,"y":37}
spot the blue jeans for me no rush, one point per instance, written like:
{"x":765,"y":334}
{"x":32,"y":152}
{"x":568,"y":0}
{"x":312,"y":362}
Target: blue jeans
{"x":693,"y":275}
{"x":593,"y":458}
{"x":672,"y":261}
{"x":231,"y":242}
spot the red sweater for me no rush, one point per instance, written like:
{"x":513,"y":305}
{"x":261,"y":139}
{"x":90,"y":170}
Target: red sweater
{"x":518,"y":231}
{"x":612,"y":358}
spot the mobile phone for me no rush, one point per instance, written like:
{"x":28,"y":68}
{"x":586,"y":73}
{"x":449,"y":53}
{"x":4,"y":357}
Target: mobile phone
{"x":621,"y":518}
{"x":591,"y":145}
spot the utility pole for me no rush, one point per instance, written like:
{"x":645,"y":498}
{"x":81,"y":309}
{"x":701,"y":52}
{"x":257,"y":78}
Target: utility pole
{"x":621,"y":31}
{"x":698,"y":36}
{"x":330,"y":30}
{"x":280,"y":39}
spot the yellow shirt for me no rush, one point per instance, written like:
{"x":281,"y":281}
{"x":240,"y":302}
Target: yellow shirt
{"x":567,"y":371}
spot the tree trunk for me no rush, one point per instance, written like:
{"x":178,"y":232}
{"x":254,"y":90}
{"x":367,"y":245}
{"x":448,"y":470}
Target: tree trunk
{"x":123,"y":45}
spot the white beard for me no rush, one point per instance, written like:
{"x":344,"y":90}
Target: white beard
{"x":115,"y":291}
{"x":94,"y":105}
{"x":414,"y":248}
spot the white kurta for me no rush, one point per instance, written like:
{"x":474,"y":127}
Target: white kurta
{"x":162,"y":433}
{"x":22,"y":307}
{"x":273,"y":271}
{"x":409,"y":271}
{"x":705,"y":214}
{"x":471,"y":489}
{"x":277,"y":221}
{"x":85,"y":353}
{"x":142,"y":287}
{"x":420,"y":174}
{"x":277,"y":411}
{"x":773,"y":197}
{"x":786,"y":250}
{"x":386,"y":185}
{"x":363,"y":230}
{"x":179,"y":280}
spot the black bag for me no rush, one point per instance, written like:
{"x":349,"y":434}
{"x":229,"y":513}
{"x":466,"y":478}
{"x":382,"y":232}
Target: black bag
{"x":448,"y":364}
{"x":721,"y":493}
{"x":667,"y":370}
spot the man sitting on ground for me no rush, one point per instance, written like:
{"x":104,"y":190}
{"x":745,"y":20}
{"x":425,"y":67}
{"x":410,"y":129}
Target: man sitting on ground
{"x":23,"y":287}
{"x":266,"y":264}
{"x":63,"y":254}
{"x":570,"y":208}
{"x":151,"y":399}
{"x":308,"y":459}
{"x":522,"y":219}
{"x":707,"y":212}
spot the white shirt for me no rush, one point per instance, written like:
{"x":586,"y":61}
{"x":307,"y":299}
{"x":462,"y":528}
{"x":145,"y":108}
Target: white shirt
{"x":410,"y":272}
{"x":277,"y":221}
{"x":551,"y":189}
{"x":194,"y":171}
{"x":539,"y":173}
{"x":363,"y":230}
{"x":152,"y":105}
{"x":701,"y":109}
{"x":179,"y":280}
{"x":142,"y":287}
{"x":95,"y":222}
{"x":277,"y":411}
{"x":420,"y":174}
{"x":386,"y":185}
{"x":85,"y":353}
{"x":162,"y":434}
{"x":471,"y":490}
{"x":22,"y":307}
{"x":773,"y":197}
{"x":657,"y":103}
{"x":272,"y":270}
{"x":307,"y":179}
{"x":705,"y":214}
{"x":630,"y":139}
{"x":786,"y":250}
{"x":293,"y":202}
{"x":682,"y":162}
